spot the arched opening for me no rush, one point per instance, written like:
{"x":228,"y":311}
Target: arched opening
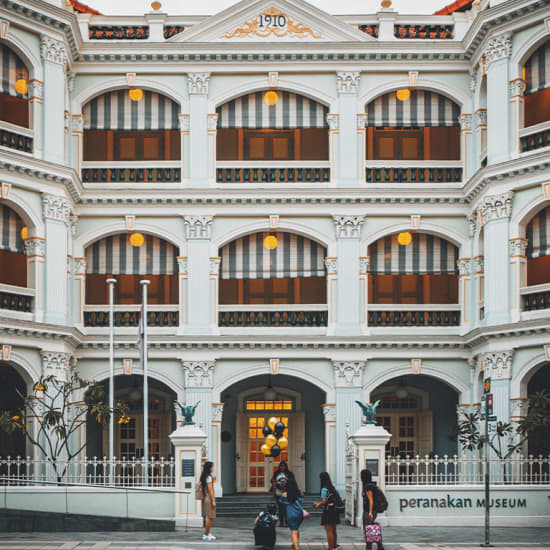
{"x":420,"y":413}
{"x":12,"y":388}
{"x":538,"y":261}
{"x":275,"y":126}
{"x":536,"y":73}
{"x":275,"y":278}
{"x":120,"y":130}
{"x":131,"y":258}
{"x":409,"y":127}
{"x":129,"y":437}
{"x":539,"y":440}
{"x":413,"y":281}
{"x":14,"y":97}
{"x":298,"y":404}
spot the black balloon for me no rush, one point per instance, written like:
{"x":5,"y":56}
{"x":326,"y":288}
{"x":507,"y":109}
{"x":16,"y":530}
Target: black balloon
{"x":279,"y":429}
{"x":266,"y":430}
{"x":275,"y":451}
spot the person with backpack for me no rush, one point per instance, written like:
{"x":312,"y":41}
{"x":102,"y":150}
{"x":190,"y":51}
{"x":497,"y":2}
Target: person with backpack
{"x":295,"y":512}
{"x":264,"y":528}
{"x":278,"y":486}
{"x":205,"y":492}
{"x":332,"y":508}
{"x":374,"y":503}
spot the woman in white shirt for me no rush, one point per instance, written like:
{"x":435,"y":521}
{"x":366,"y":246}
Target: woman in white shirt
{"x":209,"y":500}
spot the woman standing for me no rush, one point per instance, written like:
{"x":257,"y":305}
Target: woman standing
{"x":292,"y":497}
{"x":329,"y":501}
{"x":278,"y":486}
{"x":209,"y":500}
{"x":369,"y":511}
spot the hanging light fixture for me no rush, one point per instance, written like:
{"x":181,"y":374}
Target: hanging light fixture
{"x":270,"y":394}
{"x":404,"y":94}
{"x":25,"y":233}
{"x":404,"y":238}
{"x":137,"y":239}
{"x":401,"y":392}
{"x":271,"y":242}
{"x":21,"y":86}
{"x":136,"y":94}
{"x":271,"y":97}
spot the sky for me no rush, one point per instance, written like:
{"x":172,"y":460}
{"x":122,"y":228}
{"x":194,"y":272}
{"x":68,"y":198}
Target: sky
{"x":208,"y":7}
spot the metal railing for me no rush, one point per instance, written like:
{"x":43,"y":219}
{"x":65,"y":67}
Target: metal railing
{"x":416,"y":315}
{"x":118,"y":32}
{"x":427,"y":32}
{"x":535,"y":297}
{"x":128,"y":315}
{"x":454,"y":470}
{"x":91,"y":471}
{"x":273,"y":315}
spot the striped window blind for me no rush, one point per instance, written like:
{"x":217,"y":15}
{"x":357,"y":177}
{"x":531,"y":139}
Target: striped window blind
{"x":538,"y":235}
{"x":12,"y":69}
{"x":537,"y":70}
{"x":425,"y":255}
{"x":294,"y":256}
{"x":10,"y":230}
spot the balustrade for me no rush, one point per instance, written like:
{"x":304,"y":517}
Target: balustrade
{"x":534,"y":137}
{"x":272,"y":175}
{"x":535,"y":297}
{"x":412,"y":174}
{"x":128,"y":316}
{"x":371,"y":30}
{"x":273,"y":316}
{"x":13,"y":137}
{"x":172,"y":30}
{"x":16,"y":298}
{"x":111,"y":32}
{"x":429,"y":32}
{"x":413,"y":316}
{"x":138,"y":174}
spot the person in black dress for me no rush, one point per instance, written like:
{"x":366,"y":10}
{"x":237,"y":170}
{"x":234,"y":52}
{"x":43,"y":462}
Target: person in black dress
{"x":369,"y":511}
{"x":330,"y":517}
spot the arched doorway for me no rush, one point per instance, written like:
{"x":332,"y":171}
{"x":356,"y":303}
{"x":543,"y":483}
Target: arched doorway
{"x":420,"y":413}
{"x":12,"y":388}
{"x":539,"y":441}
{"x":298,"y":403}
{"x":129,"y":437}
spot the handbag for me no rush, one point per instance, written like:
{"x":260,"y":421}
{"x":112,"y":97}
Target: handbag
{"x":306,"y":514}
{"x":373,"y":533}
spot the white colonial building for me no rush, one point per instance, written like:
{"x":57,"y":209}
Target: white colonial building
{"x":339,"y":208}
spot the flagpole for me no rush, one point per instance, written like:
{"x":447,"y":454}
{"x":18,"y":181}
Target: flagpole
{"x":145,"y":385}
{"x":111,"y":282}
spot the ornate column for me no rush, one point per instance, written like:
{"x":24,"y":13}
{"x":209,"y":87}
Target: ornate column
{"x":518,"y":275}
{"x":184,"y":146}
{"x":329,"y":412}
{"x":497,"y":55}
{"x":361,"y":146}
{"x":198,"y":129}
{"x":77,"y":133}
{"x":519,"y":406}
{"x":348,"y":380}
{"x":364,"y":263}
{"x":182,"y":286}
{"x":481,"y":130}
{"x":80,"y":266}
{"x":516,"y":113}
{"x":216,"y":441}
{"x":348,"y":233}
{"x":498,"y":367}
{"x":347,"y":85}
{"x":479,"y":282}
{"x":212,"y":133}
{"x":199,"y":309}
{"x":35,"y":250}
{"x":214,"y":270}
{"x":36,"y":102}
{"x":54,"y":58}
{"x":333,"y":121}
{"x":466,"y":146}
{"x":332,"y":293}
{"x":464,"y":291}
{"x":496,"y":211}
{"x":57,"y":219}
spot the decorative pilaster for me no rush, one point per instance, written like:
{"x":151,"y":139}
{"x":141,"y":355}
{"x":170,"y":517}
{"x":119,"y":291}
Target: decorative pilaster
{"x":198,"y":374}
{"x":56,"y":363}
{"x":331,"y":265}
{"x":347,"y":82}
{"x":466,"y":146}
{"x":495,"y":207}
{"x":498,"y":367}
{"x":516,"y":112}
{"x":364,"y":263}
{"x":348,"y":227}
{"x":80,"y":267}
{"x":57,"y":208}
{"x":53,"y":50}
{"x":200,"y":152}
{"x":184,"y":126}
{"x":35,"y":250}
{"x":464,"y":266}
{"x":182,"y":284}
{"x":198,"y":227}
{"x":333,"y":121}
{"x":329,"y":413}
{"x":216,"y":439}
{"x":518,"y":264}
{"x":198,"y":83}
{"x":212,"y":132}
{"x":348,"y":373}
{"x":214,"y":271}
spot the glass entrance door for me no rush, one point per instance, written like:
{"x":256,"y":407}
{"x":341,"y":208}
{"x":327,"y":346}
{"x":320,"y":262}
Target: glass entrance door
{"x":404,"y":433}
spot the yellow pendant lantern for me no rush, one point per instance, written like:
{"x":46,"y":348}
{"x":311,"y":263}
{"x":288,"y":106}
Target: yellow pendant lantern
{"x":21,"y":86}
{"x":25,"y":233}
{"x":271,"y":97}
{"x":136,"y":94}
{"x":270,"y":242}
{"x":137,"y":239}
{"x":404,"y":238}
{"x":403,"y":94}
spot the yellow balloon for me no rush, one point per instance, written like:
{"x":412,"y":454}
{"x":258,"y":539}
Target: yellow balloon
{"x":283,"y":443}
{"x":271,"y":422}
{"x":270,"y":440}
{"x":266,"y":449}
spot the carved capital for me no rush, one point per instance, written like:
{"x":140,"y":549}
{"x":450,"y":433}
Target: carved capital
{"x":70,"y":81}
{"x":77,"y":123}
{"x":36,"y":89}
{"x":464,"y":266}
{"x":364,"y":263}
{"x":347,"y":82}
{"x":348,"y":227}
{"x":198,"y":227}
{"x":35,"y":247}
{"x":472,"y":224}
{"x":56,"y":208}
{"x":481,"y":117}
{"x":518,"y":246}
{"x":184,"y":122}
{"x":348,"y":373}
{"x":465,"y":122}
{"x":519,"y":406}
{"x":332,"y":265}
{"x":329,"y":412}
{"x":198,"y":374}
{"x":212,"y":122}
{"x":217,"y":412}
{"x":198,"y":82}
{"x":182,"y":264}
{"x":333,"y":121}
{"x":497,"y":365}
{"x":53,"y":50}
{"x":516,"y":87}
{"x":361,"y":121}
{"x":479,"y":265}
{"x":80,"y":266}
{"x":496,"y":207}
{"x":498,"y":47}
{"x":214,"y":266}
{"x":56,"y":363}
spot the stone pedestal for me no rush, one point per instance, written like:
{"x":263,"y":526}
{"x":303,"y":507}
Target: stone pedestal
{"x":188,"y":441}
{"x":370,"y":441}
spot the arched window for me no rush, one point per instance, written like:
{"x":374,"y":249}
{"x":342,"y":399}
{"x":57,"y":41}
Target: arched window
{"x":538,"y":248}
{"x":413,"y":125}
{"x":154,"y":260}
{"x":13,"y":104}
{"x":278,"y":127}
{"x":13,"y":261}
{"x":536,"y":73}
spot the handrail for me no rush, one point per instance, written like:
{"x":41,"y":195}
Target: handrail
{"x":545,"y":287}
{"x":16,"y":129}
{"x":413,"y":163}
{"x":132,"y":307}
{"x":105,"y":164}
{"x":534,"y":129}
{"x":21,"y":290}
{"x":272,"y":164}
{"x":413,"y":307}
{"x":273,"y":307}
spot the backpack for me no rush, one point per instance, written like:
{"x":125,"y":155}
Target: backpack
{"x":265,"y":521}
{"x":199,"y":494}
{"x":335,"y":502}
{"x":380,"y":503}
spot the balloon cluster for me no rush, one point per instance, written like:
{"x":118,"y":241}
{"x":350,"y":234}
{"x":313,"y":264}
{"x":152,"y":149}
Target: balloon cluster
{"x":275,"y":441}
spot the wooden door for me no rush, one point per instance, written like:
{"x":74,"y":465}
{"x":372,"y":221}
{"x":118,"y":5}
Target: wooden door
{"x":242,"y":452}
{"x":297,"y":448}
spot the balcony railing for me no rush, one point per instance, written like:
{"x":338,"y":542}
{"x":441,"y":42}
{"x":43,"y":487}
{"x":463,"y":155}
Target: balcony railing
{"x":16,"y":137}
{"x":535,"y":297}
{"x":402,"y":171}
{"x":128,"y":315}
{"x":413,"y":315}
{"x":273,"y":315}
{"x":428,"y":32}
{"x":16,"y":298}
{"x":172,"y":30}
{"x":118,"y":32}
{"x":273,"y":172}
{"x":371,"y":30}
{"x":534,"y":137}
{"x":137,"y":172}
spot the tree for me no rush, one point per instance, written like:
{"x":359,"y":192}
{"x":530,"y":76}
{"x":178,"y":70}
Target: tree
{"x":502,"y":441}
{"x":59,"y":416}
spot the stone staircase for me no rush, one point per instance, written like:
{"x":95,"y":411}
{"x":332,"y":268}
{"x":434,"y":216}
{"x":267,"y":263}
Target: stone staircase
{"x":248,"y":506}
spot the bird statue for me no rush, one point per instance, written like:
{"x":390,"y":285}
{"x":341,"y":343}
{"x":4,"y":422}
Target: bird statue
{"x":188,"y":411}
{"x":369,"y":411}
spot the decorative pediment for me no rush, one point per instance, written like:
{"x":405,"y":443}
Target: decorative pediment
{"x":272,"y":21}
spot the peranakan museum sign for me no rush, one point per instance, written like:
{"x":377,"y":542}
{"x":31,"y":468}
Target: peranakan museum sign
{"x":511,"y":506}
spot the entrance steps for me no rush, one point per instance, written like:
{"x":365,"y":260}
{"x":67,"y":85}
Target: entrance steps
{"x":249,"y":505}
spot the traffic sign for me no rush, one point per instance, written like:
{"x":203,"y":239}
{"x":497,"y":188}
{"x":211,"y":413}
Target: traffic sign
{"x":486,"y":386}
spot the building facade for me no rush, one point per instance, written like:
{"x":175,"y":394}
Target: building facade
{"x":328,"y":209}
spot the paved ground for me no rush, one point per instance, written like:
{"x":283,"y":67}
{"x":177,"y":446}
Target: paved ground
{"x":234,"y":535}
